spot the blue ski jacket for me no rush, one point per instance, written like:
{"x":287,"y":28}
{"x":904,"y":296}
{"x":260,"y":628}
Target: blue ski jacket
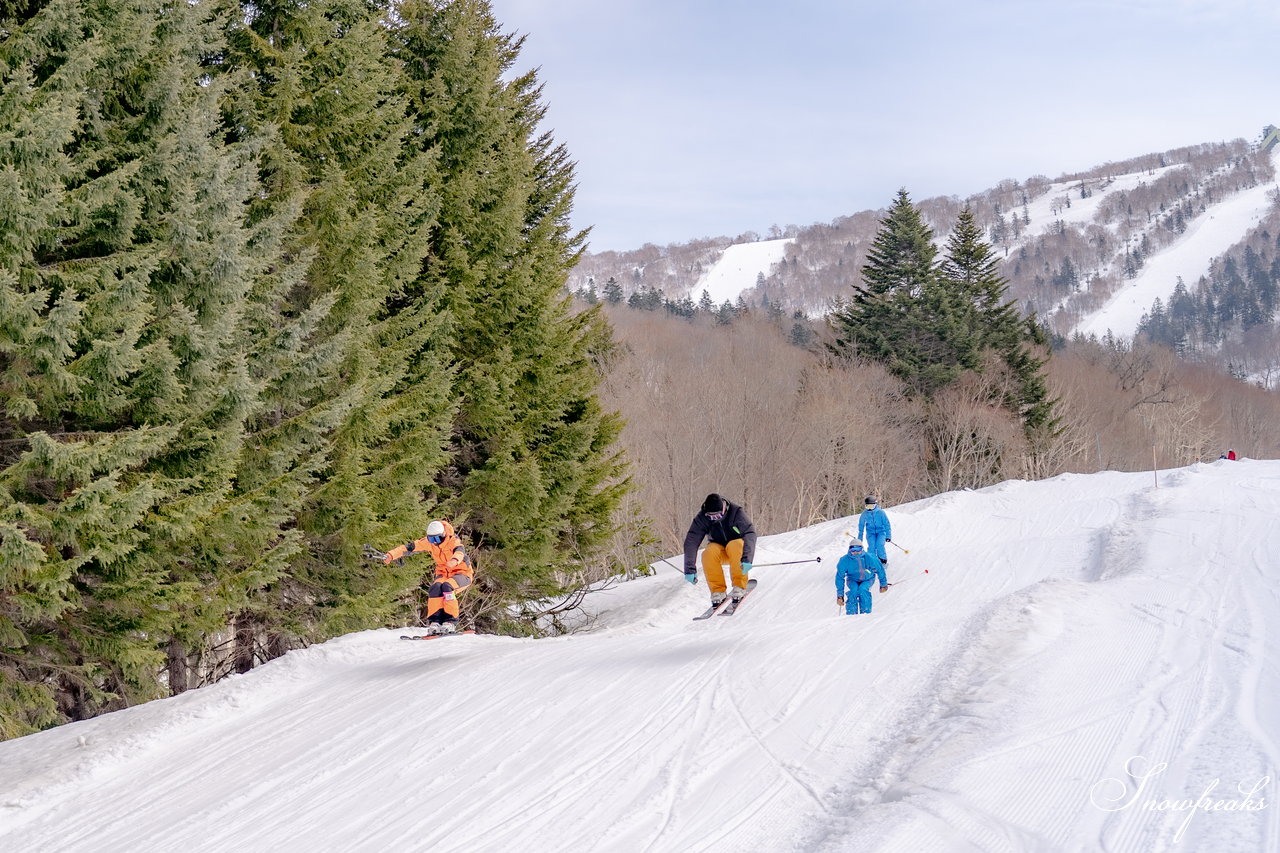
{"x":875,"y":522}
{"x":852,"y":570}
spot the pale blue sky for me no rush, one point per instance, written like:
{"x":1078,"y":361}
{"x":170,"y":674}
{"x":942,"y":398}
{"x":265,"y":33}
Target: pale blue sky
{"x":695,"y":119}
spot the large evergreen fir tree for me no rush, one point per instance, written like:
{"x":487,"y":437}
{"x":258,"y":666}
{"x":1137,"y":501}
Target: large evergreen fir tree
{"x":985,"y":320}
{"x":126,"y":277}
{"x":902,"y":315}
{"x":929,"y":320}
{"x":357,"y":391}
{"x":276,"y":279}
{"x":533,"y":477}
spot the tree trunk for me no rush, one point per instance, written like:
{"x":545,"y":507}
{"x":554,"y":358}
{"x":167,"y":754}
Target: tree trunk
{"x":277,"y":644}
{"x":242,"y":656}
{"x":179,"y":670}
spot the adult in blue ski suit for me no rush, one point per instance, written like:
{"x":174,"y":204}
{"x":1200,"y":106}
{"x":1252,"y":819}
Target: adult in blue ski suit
{"x":873,"y":528}
{"x":857,"y":570}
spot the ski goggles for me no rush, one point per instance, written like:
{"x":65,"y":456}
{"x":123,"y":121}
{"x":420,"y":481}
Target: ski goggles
{"x":435,"y":540}
{"x":716,"y":516}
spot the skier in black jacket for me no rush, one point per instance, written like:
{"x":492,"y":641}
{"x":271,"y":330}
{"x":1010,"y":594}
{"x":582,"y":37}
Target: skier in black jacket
{"x":733,"y":541}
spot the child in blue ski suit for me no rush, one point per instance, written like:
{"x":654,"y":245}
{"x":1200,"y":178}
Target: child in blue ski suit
{"x":873,"y":526}
{"x":858,"y":570}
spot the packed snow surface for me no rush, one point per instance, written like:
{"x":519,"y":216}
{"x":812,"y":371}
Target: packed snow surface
{"x":1088,"y":663}
{"x":737,"y":269}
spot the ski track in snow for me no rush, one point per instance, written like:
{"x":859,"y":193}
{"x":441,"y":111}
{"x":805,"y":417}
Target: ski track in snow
{"x":1066,"y":628}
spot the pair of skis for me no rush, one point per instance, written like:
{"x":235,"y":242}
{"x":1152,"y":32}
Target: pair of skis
{"x":436,"y":636}
{"x":728,"y":606}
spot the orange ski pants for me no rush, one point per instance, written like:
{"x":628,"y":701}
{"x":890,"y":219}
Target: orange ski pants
{"x":442,"y":599}
{"x":713,"y":559}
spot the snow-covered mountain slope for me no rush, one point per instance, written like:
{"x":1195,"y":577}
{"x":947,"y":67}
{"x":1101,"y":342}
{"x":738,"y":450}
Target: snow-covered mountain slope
{"x":1059,"y":241}
{"x":1060,"y":202}
{"x":737,"y":269}
{"x":1207,"y":236}
{"x":1090,"y":663}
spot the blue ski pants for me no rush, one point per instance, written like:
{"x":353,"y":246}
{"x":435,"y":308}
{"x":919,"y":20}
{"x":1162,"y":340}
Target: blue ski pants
{"x":858,"y":599}
{"x":875,"y":545}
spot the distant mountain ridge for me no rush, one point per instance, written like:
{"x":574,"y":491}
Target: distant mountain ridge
{"x":1087,"y":252}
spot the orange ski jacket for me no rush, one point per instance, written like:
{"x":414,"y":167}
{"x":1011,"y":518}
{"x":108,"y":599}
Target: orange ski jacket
{"x":450,"y":556}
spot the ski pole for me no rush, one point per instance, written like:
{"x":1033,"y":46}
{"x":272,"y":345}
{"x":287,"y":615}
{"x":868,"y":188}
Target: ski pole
{"x":671,"y":564}
{"x":373,"y":553}
{"x":890,"y":541}
{"x":756,"y":565}
{"x":908,"y":577}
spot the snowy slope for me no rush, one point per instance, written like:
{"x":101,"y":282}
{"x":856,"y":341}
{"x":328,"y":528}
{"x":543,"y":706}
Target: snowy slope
{"x":1046,"y":210}
{"x":1084,"y":655}
{"x":737,"y":269}
{"x":1207,"y":236}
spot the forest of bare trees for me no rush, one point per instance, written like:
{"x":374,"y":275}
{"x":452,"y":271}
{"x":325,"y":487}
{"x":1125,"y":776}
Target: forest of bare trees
{"x":799,"y":438}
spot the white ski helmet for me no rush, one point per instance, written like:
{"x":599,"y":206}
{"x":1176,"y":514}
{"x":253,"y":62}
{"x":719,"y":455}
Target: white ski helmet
{"x":435,"y":528}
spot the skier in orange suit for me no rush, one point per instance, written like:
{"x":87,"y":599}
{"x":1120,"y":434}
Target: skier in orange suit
{"x":453,"y":573}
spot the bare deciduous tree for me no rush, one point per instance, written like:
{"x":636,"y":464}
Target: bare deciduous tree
{"x":739,"y":410}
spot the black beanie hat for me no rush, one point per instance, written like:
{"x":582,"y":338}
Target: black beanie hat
{"x":713,"y":503}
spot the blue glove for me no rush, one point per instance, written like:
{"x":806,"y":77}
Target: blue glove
{"x":691,"y":577}
{"x":746,"y":567}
